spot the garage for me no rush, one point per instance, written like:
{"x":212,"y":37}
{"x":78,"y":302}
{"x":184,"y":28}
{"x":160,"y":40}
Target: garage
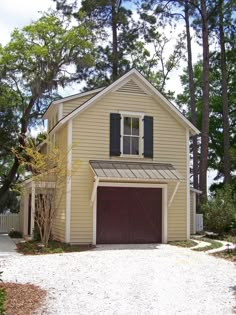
{"x":129,"y":215}
{"x":130,"y":201}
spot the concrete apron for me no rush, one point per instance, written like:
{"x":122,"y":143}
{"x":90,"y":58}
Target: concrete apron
{"x":7,"y":246}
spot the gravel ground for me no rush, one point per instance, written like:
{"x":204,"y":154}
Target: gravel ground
{"x":132,"y":280}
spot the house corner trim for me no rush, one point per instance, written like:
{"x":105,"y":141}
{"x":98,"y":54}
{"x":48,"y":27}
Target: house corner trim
{"x":68,"y":180}
{"x":60,"y":111}
{"x":188,"y":184}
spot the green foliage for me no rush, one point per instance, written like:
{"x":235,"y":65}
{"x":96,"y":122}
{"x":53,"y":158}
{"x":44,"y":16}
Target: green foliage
{"x":216,"y":148}
{"x":2,"y":301}
{"x":36,"y":233}
{"x":138,"y":43}
{"x":112,"y":51}
{"x":15,"y":234}
{"x":58,"y":251}
{"x":9,"y":126}
{"x":220,"y":210}
{"x":10,"y":201}
{"x":32,"y":66}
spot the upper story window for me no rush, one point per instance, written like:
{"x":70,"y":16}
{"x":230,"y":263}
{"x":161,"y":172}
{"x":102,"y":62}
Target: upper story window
{"x":131,"y":135}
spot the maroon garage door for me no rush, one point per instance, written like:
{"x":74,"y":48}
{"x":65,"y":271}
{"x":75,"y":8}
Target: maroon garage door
{"x":129,"y":215}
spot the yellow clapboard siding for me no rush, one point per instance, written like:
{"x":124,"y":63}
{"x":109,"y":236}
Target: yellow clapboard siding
{"x":69,"y":106}
{"x":59,"y":220}
{"x":91,"y":135}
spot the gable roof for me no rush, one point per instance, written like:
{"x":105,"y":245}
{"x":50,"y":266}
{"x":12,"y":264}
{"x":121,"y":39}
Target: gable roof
{"x":147,"y":86}
{"x":69,"y":98}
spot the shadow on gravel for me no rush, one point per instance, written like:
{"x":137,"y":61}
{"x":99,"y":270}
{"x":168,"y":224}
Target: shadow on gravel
{"x":127,"y":247}
{"x":234,"y":292}
{"x":233,"y":289}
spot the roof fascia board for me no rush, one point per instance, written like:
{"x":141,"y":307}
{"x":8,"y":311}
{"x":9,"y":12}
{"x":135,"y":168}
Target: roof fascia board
{"x":50,"y":110}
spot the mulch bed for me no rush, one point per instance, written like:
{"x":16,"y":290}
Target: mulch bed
{"x":54,"y":247}
{"x":22,"y":299}
{"x":186,"y":243}
{"x":231,"y":256}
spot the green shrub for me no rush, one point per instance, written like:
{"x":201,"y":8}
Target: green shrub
{"x":36,"y":234}
{"x":58,"y":251}
{"x":46,"y":250}
{"x":2,"y":301}
{"x":15,"y":234}
{"x":220,"y":210}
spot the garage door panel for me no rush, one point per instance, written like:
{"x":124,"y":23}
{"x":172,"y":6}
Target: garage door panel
{"x":129,"y":215}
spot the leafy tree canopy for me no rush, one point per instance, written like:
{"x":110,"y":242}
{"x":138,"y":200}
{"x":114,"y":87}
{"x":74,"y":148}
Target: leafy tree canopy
{"x":37,"y":60}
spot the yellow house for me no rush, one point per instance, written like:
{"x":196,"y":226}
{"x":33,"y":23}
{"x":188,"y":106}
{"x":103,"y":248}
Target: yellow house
{"x":132,"y":183}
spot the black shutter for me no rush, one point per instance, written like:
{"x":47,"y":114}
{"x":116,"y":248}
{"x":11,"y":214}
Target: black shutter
{"x":148,"y":137}
{"x":114,"y":134}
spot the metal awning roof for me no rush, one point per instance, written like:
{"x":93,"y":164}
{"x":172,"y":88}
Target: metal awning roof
{"x":119,"y":170}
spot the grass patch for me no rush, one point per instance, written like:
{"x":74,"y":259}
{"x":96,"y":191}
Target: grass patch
{"x":228,"y":255}
{"x":228,"y":238}
{"x":54,"y":247}
{"x":213,"y":244}
{"x":186,"y":243}
{"x":2,"y":301}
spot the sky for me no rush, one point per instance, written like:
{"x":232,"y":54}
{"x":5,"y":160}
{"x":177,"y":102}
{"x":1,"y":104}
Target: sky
{"x":18,"y":13}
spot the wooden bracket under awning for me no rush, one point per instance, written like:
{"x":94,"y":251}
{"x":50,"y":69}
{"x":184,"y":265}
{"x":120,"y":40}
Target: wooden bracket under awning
{"x":173,"y":194}
{"x":95,"y":185}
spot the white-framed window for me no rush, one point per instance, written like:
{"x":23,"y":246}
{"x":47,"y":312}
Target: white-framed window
{"x":131,"y":134}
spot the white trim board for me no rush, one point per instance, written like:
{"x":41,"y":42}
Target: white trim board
{"x":140,"y":185}
{"x":197,"y":191}
{"x":188,"y":184}
{"x":68,"y":180}
{"x":140,"y":117}
{"x":194,"y":213}
{"x":132,"y":73}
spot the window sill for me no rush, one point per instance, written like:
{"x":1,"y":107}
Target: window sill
{"x":132,"y":156}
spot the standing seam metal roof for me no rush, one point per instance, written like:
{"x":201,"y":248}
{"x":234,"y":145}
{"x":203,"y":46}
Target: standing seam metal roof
{"x":135,"y":170}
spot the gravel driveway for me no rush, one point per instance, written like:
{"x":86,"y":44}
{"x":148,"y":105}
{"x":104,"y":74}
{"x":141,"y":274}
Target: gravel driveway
{"x":120,"y":280}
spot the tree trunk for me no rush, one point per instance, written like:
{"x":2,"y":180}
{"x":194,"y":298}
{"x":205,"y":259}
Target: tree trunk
{"x":192,"y":95}
{"x":224,"y":87}
{"x":13,"y":171}
{"x":114,"y":42}
{"x":205,"y":110}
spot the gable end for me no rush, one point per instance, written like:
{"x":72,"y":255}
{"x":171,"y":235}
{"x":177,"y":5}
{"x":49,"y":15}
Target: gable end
{"x":131,"y":87}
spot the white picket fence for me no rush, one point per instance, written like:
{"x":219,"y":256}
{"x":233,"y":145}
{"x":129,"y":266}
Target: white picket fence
{"x":9,"y":221}
{"x":199,"y":222}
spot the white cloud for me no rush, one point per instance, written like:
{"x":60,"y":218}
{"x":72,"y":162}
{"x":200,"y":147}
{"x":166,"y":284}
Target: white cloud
{"x":19,"y":13}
